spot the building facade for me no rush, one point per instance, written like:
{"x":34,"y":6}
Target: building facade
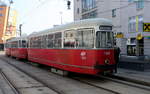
{"x":7,"y":26}
{"x":127,"y":16}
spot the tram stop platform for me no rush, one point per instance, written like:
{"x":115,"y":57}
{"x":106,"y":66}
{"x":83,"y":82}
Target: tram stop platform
{"x":134,"y":76}
{"x":139,"y":63}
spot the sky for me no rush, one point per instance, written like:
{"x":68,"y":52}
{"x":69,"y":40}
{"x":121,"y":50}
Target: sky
{"x":37,"y":15}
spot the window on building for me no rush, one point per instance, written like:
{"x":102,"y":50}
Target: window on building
{"x":92,"y":14}
{"x":132,"y":23}
{"x":114,"y":13}
{"x":78,"y":10}
{"x":130,"y":0}
{"x":88,"y":5}
{"x":139,"y":4}
{"x":140,"y":23}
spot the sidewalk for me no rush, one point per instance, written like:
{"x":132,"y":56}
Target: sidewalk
{"x":139,"y":63}
{"x":133,"y":75}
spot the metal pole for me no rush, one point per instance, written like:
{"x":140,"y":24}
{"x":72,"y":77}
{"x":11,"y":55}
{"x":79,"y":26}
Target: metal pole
{"x":20,"y":29}
{"x":61,"y":17}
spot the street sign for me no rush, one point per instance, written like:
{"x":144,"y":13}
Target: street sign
{"x":119,"y":35}
{"x":146,"y":27}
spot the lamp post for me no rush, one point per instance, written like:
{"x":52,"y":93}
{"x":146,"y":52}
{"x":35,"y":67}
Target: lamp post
{"x":61,"y":19}
{"x":20,"y":29}
{"x":8,"y":25}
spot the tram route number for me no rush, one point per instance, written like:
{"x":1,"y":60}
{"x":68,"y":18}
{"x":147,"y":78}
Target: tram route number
{"x":105,"y":27}
{"x":146,"y":27}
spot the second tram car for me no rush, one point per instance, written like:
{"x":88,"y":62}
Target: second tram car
{"x":84,"y":46}
{"x":17,"y":47}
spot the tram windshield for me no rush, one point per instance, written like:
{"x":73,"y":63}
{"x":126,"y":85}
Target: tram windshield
{"x":104,"y":39}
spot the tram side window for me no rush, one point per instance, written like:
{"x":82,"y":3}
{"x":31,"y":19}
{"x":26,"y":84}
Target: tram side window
{"x":69,"y":39}
{"x":39,"y":42}
{"x":104,"y":39}
{"x":6,"y":45}
{"x":14,"y":44}
{"x":31,"y":43}
{"x":85,"y":38}
{"x":57,"y":41}
{"x":24,"y":44}
{"x":36,"y":42}
{"x":50,"y":41}
{"x":43,"y":44}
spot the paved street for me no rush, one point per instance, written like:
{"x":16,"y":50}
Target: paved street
{"x":80,"y":85}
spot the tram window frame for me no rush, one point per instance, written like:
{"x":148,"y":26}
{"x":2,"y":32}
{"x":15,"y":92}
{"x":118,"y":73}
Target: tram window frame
{"x":103,"y":43}
{"x":58,"y":40}
{"x":69,"y":39}
{"x":83,"y":41}
{"x":44,"y":41}
{"x":30,"y":43}
{"x":24,"y":45}
{"x":50,"y":40}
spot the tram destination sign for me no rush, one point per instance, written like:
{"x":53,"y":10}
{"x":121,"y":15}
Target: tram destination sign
{"x":146,"y":27}
{"x":105,"y":27}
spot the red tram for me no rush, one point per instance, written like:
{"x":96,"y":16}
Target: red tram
{"x":84,"y":46}
{"x":17,"y":47}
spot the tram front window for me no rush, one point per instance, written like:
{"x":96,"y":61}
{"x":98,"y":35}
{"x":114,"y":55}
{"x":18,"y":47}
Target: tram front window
{"x":104,"y":39}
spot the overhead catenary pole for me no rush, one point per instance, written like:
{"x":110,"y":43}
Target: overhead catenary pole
{"x":20,"y":29}
{"x":61,"y":19}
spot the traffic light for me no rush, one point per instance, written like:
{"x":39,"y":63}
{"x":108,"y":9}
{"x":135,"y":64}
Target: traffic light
{"x":68,"y":4}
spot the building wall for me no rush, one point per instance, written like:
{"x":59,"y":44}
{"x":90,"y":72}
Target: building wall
{"x":12,"y":24}
{"x":147,"y":46}
{"x":124,"y":10}
{"x":8,"y":20}
{"x":77,"y":10}
{"x":3,"y":22}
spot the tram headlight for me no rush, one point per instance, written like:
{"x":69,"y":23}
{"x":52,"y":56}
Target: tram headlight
{"x":106,"y":61}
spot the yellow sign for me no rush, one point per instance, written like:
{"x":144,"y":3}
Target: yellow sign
{"x":137,"y":24}
{"x":146,"y":27}
{"x":139,"y":36}
{"x":119,"y":35}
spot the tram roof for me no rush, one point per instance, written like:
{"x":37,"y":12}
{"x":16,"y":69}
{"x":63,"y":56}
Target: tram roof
{"x":75,"y":24}
{"x":17,"y":38}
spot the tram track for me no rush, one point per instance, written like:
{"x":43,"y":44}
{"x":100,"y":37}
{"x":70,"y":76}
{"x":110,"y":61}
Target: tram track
{"x":127,"y":82}
{"x":8,"y":81}
{"x":87,"y":80}
{"x":35,"y":78}
{"x":82,"y":81}
{"x":109,"y":79}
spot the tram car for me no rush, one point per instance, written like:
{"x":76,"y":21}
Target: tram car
{"x":17,"y":47}
{"x":8,"y":48}
{"x":85,"y":47}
